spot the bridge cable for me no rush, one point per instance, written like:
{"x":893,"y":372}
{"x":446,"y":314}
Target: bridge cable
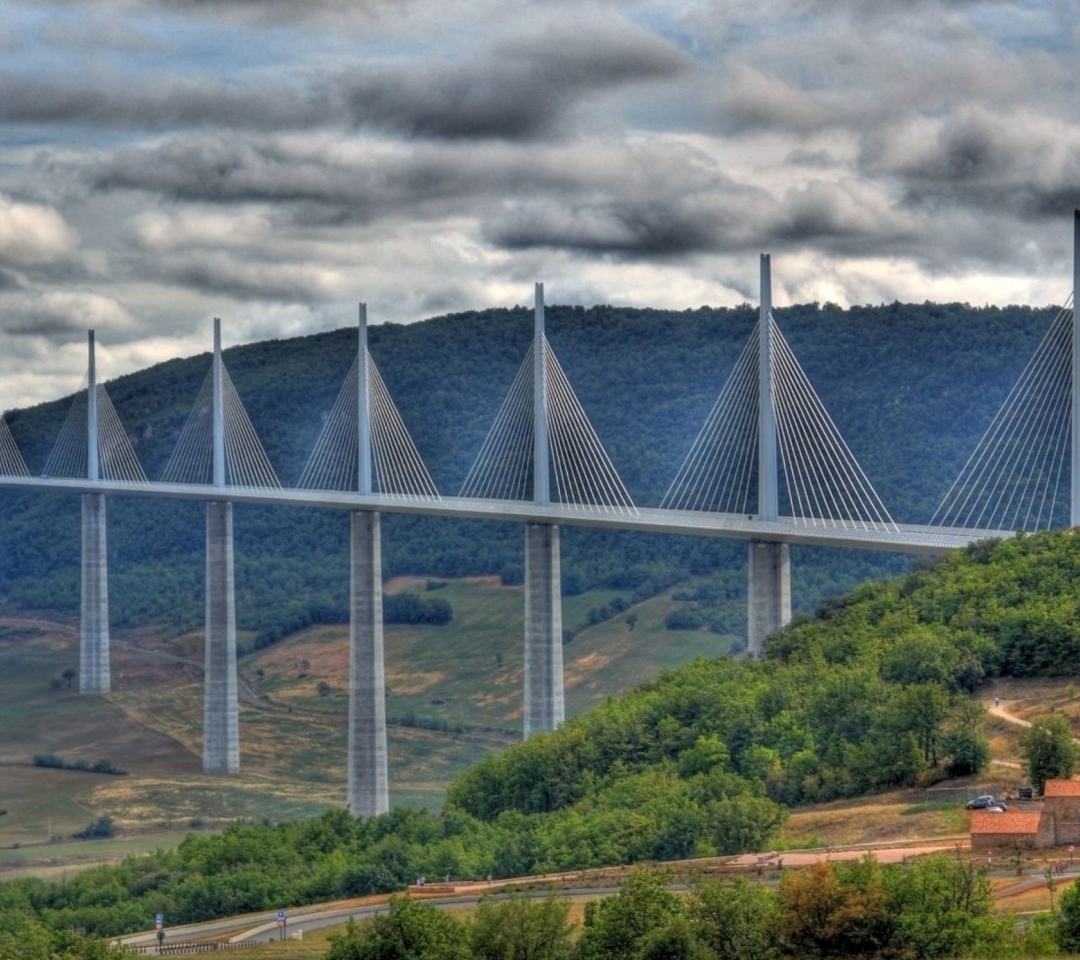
{"x":1013,"y":477}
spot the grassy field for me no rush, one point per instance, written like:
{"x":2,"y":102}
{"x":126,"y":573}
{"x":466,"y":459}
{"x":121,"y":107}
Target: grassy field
{"x":454,"y":693}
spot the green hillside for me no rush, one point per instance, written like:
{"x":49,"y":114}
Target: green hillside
{"x":874,"y":691}
{"x":910,"y":387}
{"x":455,"y":692}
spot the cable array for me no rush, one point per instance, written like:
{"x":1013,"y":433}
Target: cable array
{"x":11,"y":461}
{"x":584,"y":473}
{"x":720,"y":471}
{"x":502,"y":469}
{"x":117,"y":461}
{"x":397,"y":466}
{"x":192,"y":461}
{"x":1014,"y":476}
{"x":822,"y":481}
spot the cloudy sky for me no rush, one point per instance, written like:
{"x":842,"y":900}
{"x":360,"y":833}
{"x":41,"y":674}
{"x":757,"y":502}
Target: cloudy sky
{"x":272,"y":162}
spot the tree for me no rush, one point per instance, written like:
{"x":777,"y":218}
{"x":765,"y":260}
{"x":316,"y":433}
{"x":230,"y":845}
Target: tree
{"x":99,"y":829}
{"x":1067,"y":927}
{"x":410,"y":931}
{"x":736,"y":919}
{"x":1049,"y":750}
{"x":519,"y":929}
{"x":965,"y":742}
{"x":676,"y":940}
{"x":616,"y":928}
{"x":941,"y":908}
{"x":834,"y":909}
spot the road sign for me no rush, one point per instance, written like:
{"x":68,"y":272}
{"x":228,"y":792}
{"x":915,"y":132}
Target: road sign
{"x":159,"y":918}
{"x":281,"y":914}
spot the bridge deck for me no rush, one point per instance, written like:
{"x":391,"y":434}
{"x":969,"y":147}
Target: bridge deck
{"x":902,"y":538}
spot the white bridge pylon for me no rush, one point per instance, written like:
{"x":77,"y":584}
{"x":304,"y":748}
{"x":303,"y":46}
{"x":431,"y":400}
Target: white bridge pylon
{"x":542,"y":432}
{"x":92,"y":442}
{"x":364,"y":444}
{"x":218,"y":444}
{"x":768,"y":405}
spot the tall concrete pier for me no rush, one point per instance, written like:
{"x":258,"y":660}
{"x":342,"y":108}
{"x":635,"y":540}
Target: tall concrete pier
{"x":543,"y":630}
{"x":769,"y":601}
{"x":543,"y":597}
{"x":94,"y":617}
{"x":368,"y":784}
{"x":769,"y":563}
{"x":221,"y":725}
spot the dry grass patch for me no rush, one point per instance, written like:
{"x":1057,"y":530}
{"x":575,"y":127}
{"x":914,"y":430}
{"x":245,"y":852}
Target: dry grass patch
{"x":892,"y":816}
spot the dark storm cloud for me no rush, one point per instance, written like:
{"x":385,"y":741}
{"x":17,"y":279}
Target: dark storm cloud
{"x":158,"y":106}
{"x":513,"y":89}
{"x":1023,"y":163}
{"x":641,"y":228}
{"x":516,"y":89}
{"x":229,"y":171}
{"x":244,"y":281}
{"x":596,"y":198}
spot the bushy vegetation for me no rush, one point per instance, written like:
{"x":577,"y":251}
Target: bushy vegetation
{"x":934,"y":908}
{"x":84,"y":766}
{"x":22,"y":937}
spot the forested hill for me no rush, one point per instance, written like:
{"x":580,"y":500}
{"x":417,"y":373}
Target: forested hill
{"x":872,"y":692}
{"x":911,"y":387}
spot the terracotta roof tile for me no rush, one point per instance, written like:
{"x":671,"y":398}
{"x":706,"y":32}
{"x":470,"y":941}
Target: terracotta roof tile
{"x":1062,"y":788}
{"x":1010,"y":822}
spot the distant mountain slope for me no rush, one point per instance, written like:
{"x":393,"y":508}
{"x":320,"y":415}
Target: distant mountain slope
{"x":910,"y":386}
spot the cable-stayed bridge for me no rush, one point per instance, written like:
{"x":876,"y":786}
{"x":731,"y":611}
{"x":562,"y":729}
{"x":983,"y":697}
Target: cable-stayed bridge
{"x":768,"y":466}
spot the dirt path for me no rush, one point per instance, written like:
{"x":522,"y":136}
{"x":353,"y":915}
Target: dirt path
{"x":1001,"y":710}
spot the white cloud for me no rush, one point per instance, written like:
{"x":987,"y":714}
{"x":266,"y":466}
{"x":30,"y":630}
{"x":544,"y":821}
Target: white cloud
{"x":32,"y":234}
{"x":57,"y":314}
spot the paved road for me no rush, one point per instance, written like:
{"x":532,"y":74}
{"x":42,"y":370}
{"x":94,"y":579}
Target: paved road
{"x":263,"y":926}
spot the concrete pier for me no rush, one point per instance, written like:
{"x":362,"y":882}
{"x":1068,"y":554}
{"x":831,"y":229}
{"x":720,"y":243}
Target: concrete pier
{"x":94,"y":620}
{"x":221,"y":726}
{"x":368,"y":785}
{"x":769,"y":601}
{"x":543,"y":629}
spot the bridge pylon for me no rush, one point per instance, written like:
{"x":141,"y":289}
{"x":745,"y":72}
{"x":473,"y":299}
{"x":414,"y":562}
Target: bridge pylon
{"x":94,"y":673}
{"x":542,"y":448}
{"x":544,"y":701}
{"x":368,"y":783}
{"x":221,"y":714}
{"x":768,"y":562}
{"x":92,"y":445}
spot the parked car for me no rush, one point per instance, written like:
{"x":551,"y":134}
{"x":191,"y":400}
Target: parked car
{"x":996,"y":808}
{"x":981,"y":803}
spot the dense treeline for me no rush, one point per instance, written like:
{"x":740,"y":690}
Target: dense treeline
{"x":933,"y":908}
{"x":910,"y":386}
{"x":1005,"y":607}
